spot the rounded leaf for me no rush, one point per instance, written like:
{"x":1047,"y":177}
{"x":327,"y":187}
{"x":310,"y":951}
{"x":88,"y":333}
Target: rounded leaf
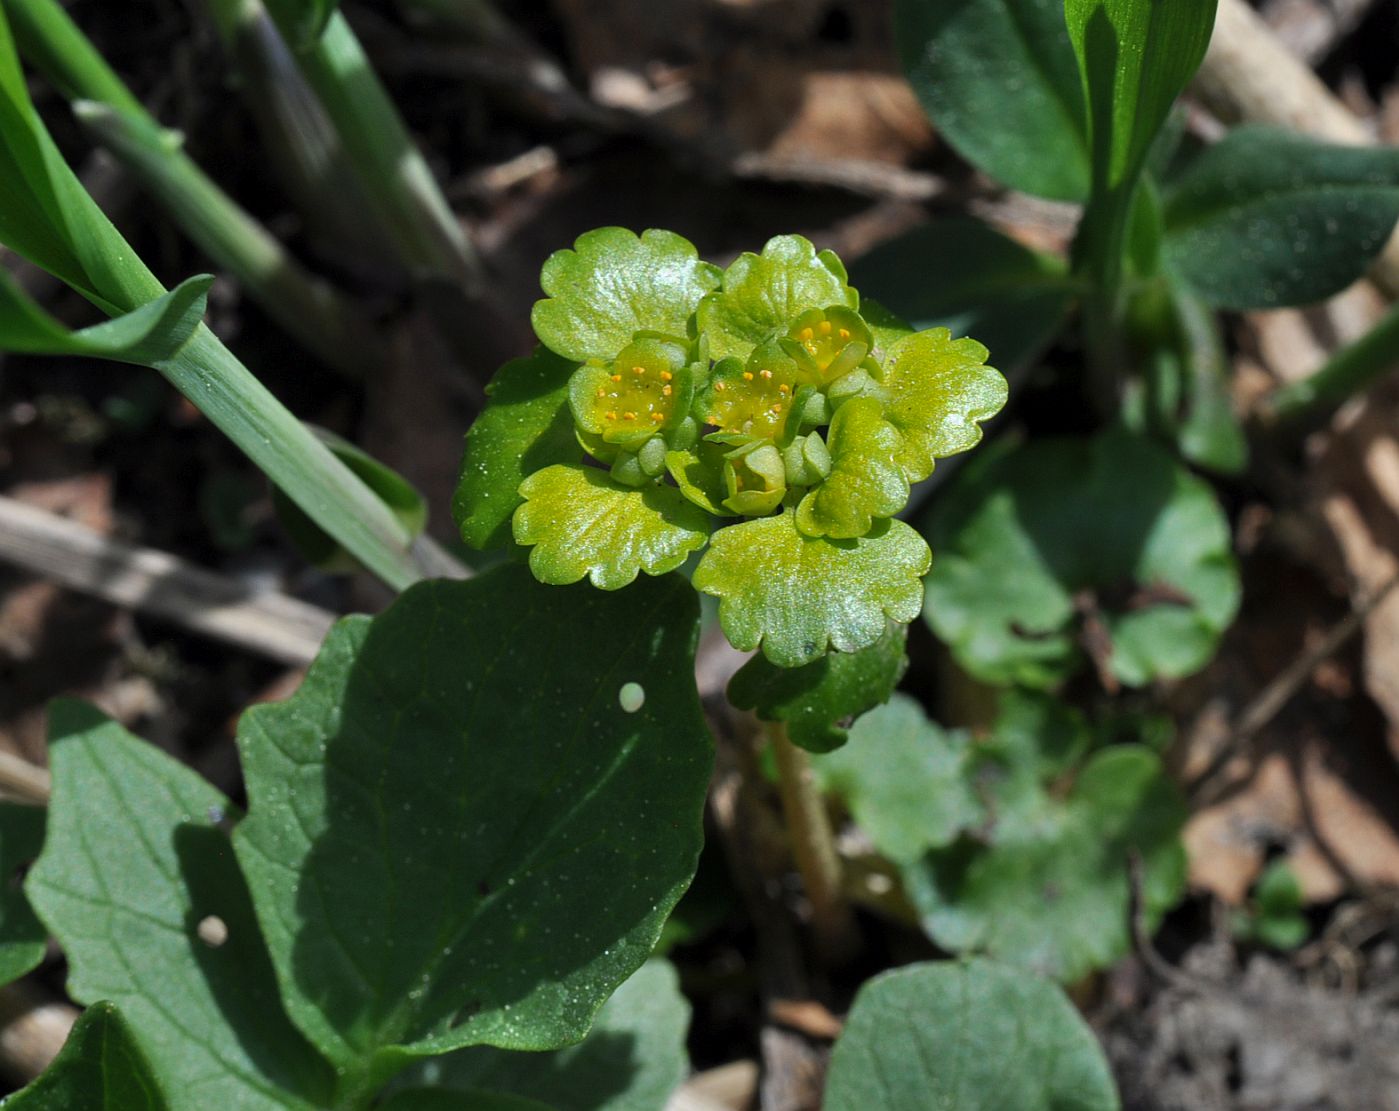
{"x":614,"y":284}
{"x":798,"y":596}
{"x":865,"y":480}
{"x":579,"y":522}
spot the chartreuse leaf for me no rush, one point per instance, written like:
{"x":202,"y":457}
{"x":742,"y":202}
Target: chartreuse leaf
{"x":150,"y":334}
{"x":632,"y":1059}
{"x":763,"y":294}
{"x":816,"y":700}
{"x":460,"y":832}
{"x":1031,"y":540}
{"x":999,"y":81}
{"x":22,"y":937}
{"x":99,"y":1068}
{"x":908,"y":783}
{"x":799,"y":596}
{"x":614,"y":284}
{"x":316,"y":545}
{"x":960,"y":274}
{"x":1049,"y":889}
{"x":134,"y":861}
{"x":1136,"y":56}
{"x":975,"y":1036}
{"x":525,"y":427}
{"x":866,"y":480}
{"x":578,"y":521}
{"x":1266,"y":218}
{"x":937,"y":391}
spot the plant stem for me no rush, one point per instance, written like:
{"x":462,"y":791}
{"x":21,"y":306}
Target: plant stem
{"x":1301,"y":405}
{"x":307,"y":307}
{"x":813,"y":844}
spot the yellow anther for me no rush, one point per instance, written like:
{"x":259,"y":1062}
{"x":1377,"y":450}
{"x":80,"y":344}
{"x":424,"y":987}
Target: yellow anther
{"x":719,"y":387}
{"x":658,"y":416}
{"x":825,"y":327}
{"x":711,"y":419}
{"x":845,"y":333}
{"x":602,"y":393}
{"x":638,"y":370}
{"x":616,"y":378}
{"x":811,"y":347}
{"x":784,"y":389}
{"x":666,"y":390}
{"x":764,"y":374}
{"x":748,"y":376}
{"x":777,"y":408}
{"x":807,"y":334}
{"x":611,"y":416}
{"x":629,"y":416}
{"x":666,"y":376}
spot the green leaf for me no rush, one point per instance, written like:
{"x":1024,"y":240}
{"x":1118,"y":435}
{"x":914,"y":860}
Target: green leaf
{"x":1136,"y":56}
{"x":432,"y":1099}
{"x":938,"y":391}
{"x":958,"y":273}
{"x":816,"y":700}
{"x":1278,"y":891}
{"x":1266,"y":218}
{"x":999,"y":81}
{"x":305,"y":19}
{"x":799,"y":596}
{"x":525,"y":427}
{"x":614,"y":284}
{"x":581,"y":522}
{"x":974,"y":1036}
{"x":632,"y":1060}
{"x":459,"y":835}
{"x":1050,"y":890}
{"x":146,"y":336}
{"x":866,"y":481}
{"x":135,"y":860}
{"x":907,"y":782}
{"x":1028,"y":538}
{"x":22,"y":937}
{"x":99,"y":1068}
{"x":762,"y":295}
{"x":317,"y":546}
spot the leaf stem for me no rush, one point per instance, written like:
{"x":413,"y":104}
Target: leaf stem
{"x":813,"y":844}
{"x":1304,"y":404}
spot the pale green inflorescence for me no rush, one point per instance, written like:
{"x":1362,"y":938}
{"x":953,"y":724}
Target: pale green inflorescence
{"x":756,"y":400}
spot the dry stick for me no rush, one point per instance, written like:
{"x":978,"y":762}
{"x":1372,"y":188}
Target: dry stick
{"x":1249,"y":75}
{"x":1284,"y":687}
{"x":813,"y":845}
{"x":1311,"y":29}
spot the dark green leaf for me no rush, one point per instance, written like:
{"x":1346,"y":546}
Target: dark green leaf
{"x":524,"y":428}
{"x":1049,"y":891}
{"x":973,"y":1036}
{"x":134,"y":862}
{"x":999,"y":80}
{"x":816,"y":700}
{"x":99,"y":1068}
{"x":319,"y":548}
{"x":436,"y":1099}
{"x":22,"y":937}
{"x":432,"y":812}
{"x":1035,"y":543}
{"x":632,"y":1060}
{"x":1135,"y":56}
{"x":908,"y":783}
{"x":148,"y":335}
{"x":1267,"y":218}
{"x":958,"y":273}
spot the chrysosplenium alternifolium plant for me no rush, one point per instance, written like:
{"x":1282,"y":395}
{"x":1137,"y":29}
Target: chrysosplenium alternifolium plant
{"x":761,"y":414}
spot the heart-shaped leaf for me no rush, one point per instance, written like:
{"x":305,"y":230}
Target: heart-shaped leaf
{"x":135,"y":862}
{"x":1266,"y":218}
{"x":866,"y":480}
{"x":614,"y":284}
{"x":763,"y":295}
{"x":975,"y":1036}
{"x":525,"y":427}
{"x":578,"y":521}
{"x":800,"y":596}
{"x":816,"y":700}
{"x":431,"y":812}
{"x":938,"y":392}
{"x":100,"y":1066}
{"x":998,"y":79}
{"x":1106,"y":543}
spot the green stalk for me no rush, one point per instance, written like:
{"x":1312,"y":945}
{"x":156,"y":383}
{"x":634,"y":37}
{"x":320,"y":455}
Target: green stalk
{"x":1350,"y":371}
{"x":394,"y":173}
{"x":307,"y":307}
